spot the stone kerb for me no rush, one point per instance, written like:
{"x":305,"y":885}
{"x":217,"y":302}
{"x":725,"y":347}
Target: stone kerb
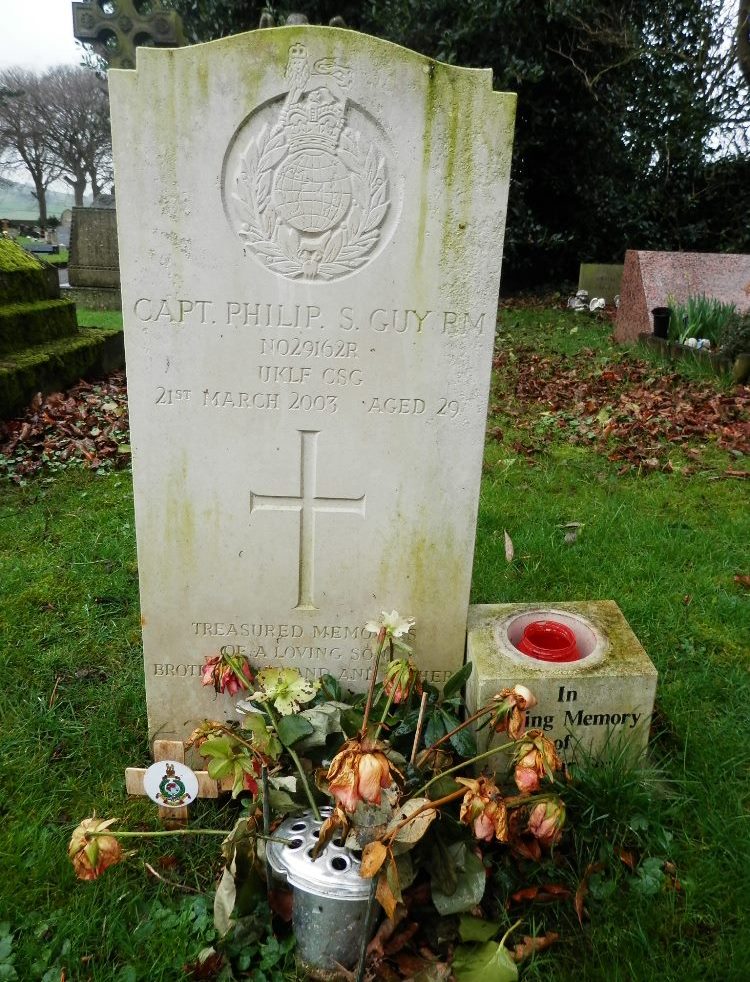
{"x":310,"y":224}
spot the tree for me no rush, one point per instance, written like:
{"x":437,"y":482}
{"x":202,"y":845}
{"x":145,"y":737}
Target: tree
{"x":743,"y":38}
{"x":24,"y":139}
{"x":78,"y":127}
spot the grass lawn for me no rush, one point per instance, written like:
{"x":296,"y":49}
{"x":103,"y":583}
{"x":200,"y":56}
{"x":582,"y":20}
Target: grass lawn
{"x":665,"y":530}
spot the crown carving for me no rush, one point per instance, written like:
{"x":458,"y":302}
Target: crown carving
{"x":315,"y":121}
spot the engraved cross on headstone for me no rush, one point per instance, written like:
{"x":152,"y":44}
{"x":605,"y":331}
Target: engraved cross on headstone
{"x":307,"y":504}
{"x":116,"y":28}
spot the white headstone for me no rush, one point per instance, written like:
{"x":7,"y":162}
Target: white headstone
{"x":311,"y":225}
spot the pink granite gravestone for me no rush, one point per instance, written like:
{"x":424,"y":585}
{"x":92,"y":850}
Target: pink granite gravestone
{"x":651,"y":278}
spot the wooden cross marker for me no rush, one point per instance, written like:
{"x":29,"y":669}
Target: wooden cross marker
{"x":174,"y":750}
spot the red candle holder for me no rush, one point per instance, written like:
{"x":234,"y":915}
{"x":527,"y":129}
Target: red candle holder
{"x":549,"y":641}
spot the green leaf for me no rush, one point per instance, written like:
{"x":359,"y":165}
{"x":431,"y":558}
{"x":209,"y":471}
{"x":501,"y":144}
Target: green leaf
{"x":262,"y":738}
{"x":462,"y":742}
{"x":476,"y":929}
{"x":435,"y":728}
{"x":217,"y":747}
{"x":471,"y":879}
{"x":293,"y":728}
{"x":220,"y":767}
{"x":457,"y":681}
{"x":480,"y":963}
{"x":330,"y":690}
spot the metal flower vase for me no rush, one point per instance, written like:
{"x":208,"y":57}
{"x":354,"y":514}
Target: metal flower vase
{"x":329,"y":897}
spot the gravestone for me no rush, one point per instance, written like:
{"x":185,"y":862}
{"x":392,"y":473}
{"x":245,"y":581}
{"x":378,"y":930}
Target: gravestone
{"x":63,"y":229}
{"x":93,"y":264}
{"x":653,"y":279}
{"x":604,"y":698}
{"x":311,"y":227}
{"x":600,"y":280}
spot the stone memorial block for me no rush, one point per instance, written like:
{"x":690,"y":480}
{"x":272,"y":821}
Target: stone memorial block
{"x":650,"y":279}
{"x":311,"y":224}
{"x":607,"y":696}
{"x":600,"y":280}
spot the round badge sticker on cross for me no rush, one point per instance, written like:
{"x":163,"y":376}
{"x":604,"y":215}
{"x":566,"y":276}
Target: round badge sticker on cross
{"x":170,"y":784}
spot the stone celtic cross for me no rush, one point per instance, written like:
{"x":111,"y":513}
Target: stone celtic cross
{"x":116,"y":28}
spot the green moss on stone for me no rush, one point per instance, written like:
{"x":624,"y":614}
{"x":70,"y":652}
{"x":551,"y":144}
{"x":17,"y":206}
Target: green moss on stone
{"x":13,"y":257}
{"x":57,"y":365}
{"x":25,"y":324}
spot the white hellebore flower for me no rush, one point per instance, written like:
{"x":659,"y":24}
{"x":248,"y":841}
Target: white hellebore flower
{"x":393,"y":624}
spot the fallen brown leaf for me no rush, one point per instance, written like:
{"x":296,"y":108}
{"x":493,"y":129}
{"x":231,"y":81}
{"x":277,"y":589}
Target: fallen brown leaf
{"x":531,"y":945}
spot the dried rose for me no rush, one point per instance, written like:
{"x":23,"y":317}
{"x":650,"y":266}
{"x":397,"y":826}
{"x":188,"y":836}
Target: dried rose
{"x":92,"y":853}
{"x":358,"y":772}
{"x":401,"y":679}
{"x":483,"y":808}
{"x":546,"y":821}
{"x":336,"y":822}
{"x":535,"y":758}
{"x":510,"y":715}
{"x":227,"y":673}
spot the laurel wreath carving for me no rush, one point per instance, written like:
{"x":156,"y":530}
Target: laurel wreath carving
{"x":281,"y":247}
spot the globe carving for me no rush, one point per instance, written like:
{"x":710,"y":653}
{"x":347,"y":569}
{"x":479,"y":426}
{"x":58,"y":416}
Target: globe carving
{"x":312,"y":191}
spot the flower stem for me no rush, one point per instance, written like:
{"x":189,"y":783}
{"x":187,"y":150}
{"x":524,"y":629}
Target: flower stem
{"x":477,"y":715}
{"x":388,"y":705}
{"x":427,"y":806}
{"x":297,"y":763}
{"x":459,"y":767}
{"x":165,"y":832}
{"x":373,"y":683}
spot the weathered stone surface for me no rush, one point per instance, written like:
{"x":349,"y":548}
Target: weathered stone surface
{"x":651,"y":278}
{"x":601,"y":280}
{"x":94,"y":260}
{"x":608,"y":695}
{"x":311,"y":224}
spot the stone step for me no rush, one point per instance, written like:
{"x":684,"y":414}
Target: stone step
{"x":26,"y":324}
{"x":56,"y":365}
{"x":26,"y":285}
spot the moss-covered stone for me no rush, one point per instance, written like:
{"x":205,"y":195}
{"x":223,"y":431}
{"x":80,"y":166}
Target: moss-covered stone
{"x":25,"y":324}
{"x":14,"y":258}
{"x":56,"y":365}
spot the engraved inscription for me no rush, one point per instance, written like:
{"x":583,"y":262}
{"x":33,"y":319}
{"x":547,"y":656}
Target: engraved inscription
{"x":307,"y":504}
{"x":312,"y":192}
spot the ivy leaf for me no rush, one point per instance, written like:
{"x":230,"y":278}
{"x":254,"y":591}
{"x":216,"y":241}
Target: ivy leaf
{"x":470,"y":882}
{"x":476,"y":929}
{"x":488,"y":961}
{"x":293,"y":728}
{"x":325,"y":719}
{"x":457,"y":681}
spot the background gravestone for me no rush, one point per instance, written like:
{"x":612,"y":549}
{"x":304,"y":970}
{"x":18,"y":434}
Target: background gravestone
{"x":311,"y":228}
{"x":94,"y":265}
{"x":651,"y":278}
{"x":600,"y":280}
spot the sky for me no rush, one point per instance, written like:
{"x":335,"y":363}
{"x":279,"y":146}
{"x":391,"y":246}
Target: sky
{"x":37,"y":34}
